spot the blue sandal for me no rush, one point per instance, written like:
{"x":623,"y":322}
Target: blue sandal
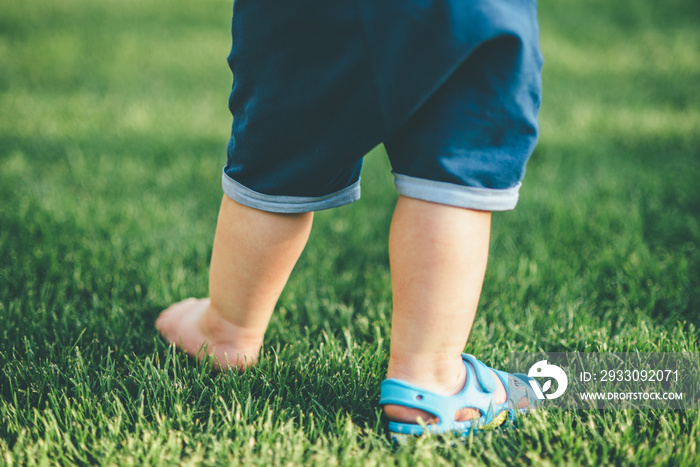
{"x":478,"y":393}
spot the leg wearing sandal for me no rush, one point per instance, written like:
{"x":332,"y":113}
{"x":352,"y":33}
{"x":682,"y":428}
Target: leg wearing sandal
{"x":438,"y":260}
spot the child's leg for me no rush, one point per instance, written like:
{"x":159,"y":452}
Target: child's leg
{"x":438,"y":259}
{"x":254,"y":253}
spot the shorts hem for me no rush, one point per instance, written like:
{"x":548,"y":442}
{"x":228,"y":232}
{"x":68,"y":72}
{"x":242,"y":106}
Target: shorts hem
{"x":288,"y":204}
{"x":451,"y":194}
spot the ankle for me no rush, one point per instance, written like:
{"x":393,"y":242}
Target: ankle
{"x":441,"y":375}
{"x":216,"y":325}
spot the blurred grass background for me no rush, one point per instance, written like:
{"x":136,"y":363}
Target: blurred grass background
{"x":113,"y":126}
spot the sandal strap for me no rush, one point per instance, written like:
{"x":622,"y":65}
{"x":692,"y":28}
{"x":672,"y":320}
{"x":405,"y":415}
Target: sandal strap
{"x":477,"y":393}
{"x":483,"y":373}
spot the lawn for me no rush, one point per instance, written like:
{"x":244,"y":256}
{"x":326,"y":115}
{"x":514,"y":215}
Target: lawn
{"x":113,"y":127}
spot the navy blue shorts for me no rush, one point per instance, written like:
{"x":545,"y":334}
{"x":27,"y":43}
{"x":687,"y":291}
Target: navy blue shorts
{"x":451,"y":87}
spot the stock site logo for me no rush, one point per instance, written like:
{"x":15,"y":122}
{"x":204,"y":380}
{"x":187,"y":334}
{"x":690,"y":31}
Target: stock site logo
{"x":542,"y":369}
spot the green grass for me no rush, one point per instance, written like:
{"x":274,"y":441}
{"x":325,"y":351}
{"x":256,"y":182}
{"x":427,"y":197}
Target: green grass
{"x":113,"y":125}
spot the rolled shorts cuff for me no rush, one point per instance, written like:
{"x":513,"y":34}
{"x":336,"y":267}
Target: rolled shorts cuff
{"x":288,"y":204}
{"x":481,"y":199}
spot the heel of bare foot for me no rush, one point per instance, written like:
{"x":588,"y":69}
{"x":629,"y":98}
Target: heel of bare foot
{"x":194,"y":327}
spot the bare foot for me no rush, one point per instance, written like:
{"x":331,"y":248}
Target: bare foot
{"x":194,"y":326}
{"x":403,"y":414}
